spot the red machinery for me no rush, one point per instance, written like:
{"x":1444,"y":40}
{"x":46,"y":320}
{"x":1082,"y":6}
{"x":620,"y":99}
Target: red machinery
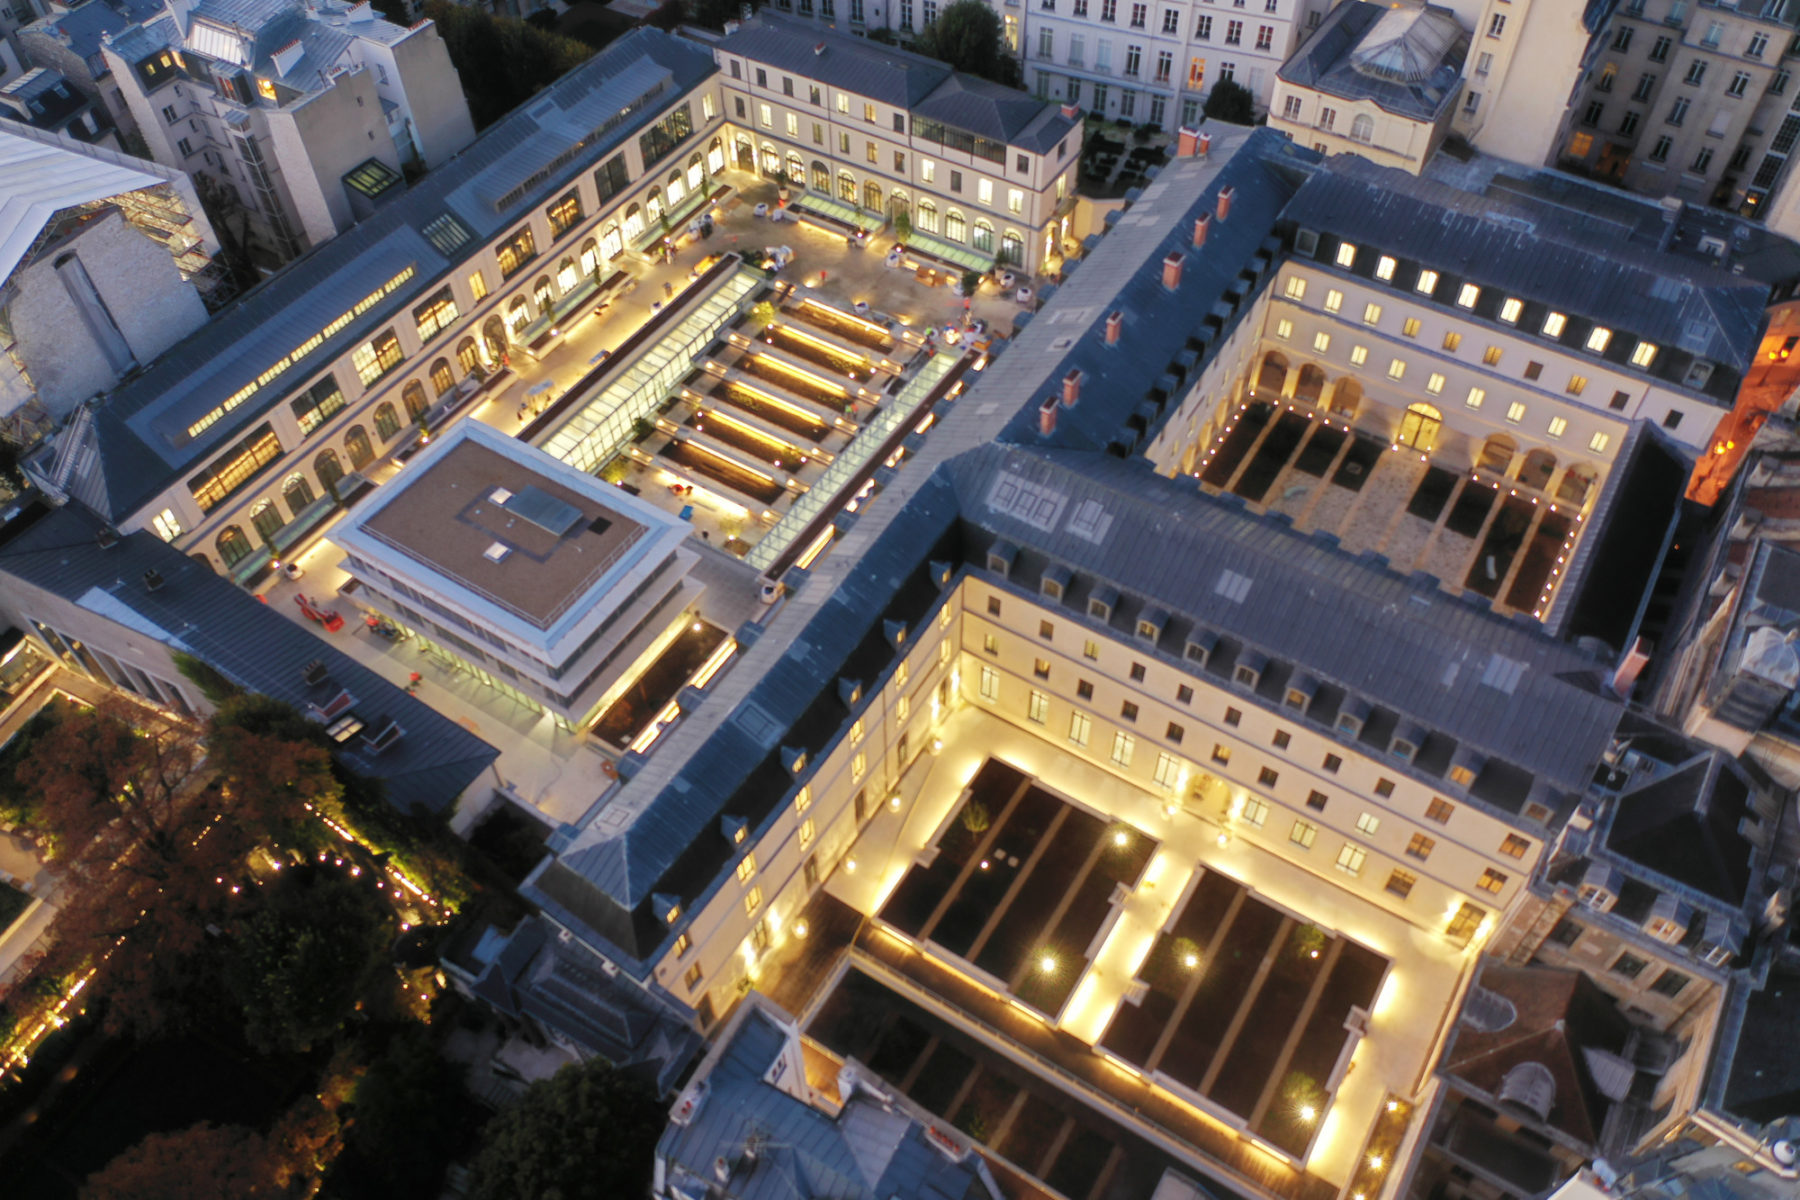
{"x":323,"y":616}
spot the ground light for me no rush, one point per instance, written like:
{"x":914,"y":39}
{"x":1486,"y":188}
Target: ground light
{"x":1190,"y":961}
{"x":1047,"y":964}
{"x":1308,"y":1112}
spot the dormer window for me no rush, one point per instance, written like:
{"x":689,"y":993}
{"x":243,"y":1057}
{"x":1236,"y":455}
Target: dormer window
{"x":1468,"y":295}
{"x":1346,"y":255}
{"x":1553,"y":324}
{"x":1428,"y":281}
{"x":1643,"y":354}
{"x":1509,"y":312}
{"x":1384,"y":268}
{"x":1698,"y":374}
{"x":1599,"y":338}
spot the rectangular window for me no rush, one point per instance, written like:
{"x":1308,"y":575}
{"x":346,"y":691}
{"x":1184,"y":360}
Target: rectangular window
{"x":1515,"y":412}
{"x":859,"y":766}
{"x":1175,"y":733}
{"x":1350,"y":859}
{"x":1439,"y":811}
{"x":1334,"y":300}
{"x":1090,"y":650}
{"x":1332,"y":763}
{"x":1420,"y":847}
{"x":1359,"y":355}
{"x":435,"y":315}
{"x":564,"y":215}
{"x":516,"y":251}
{"x":1317,"y":800}
{"x":1037,"y":709}
{"x":1303,"y":833}
{"x":1400,"y":883}
{"x":1123,"y":747}
{"x":235,"y":467}
{"x":1321,"y":341}
{"x":1599,"y":442}
{"x":1491,"y":881}
{"x":377,"y":356}
{"x":1669,"y":984}
{"x":1396,"y":368}
{"x":1367,"y":823}
{"x":1560,"y":425}
{"x":1678,"y":112}
{"x":1267,"y":776}
{"x":1371,"y":314}
{"x":1629,"y":965}
{"x":1040,"y":667}
{"x":752,"y":901}
{"x":1384,"y":268}
{"x":1514,"y":846}
{"x":1079,"y":728}
{"x":1128,"y":711}
{"x":1296,"y":288}
{"x":317,"y":404}
{"x":1168,"y":770}
{"x":1221,"y":753}
{"x":1255,"y":812}
{"x":1435,"y":383}
{"x":990,"y":684}
{"x":1467,"y":295}
{"x":1409,"y":327}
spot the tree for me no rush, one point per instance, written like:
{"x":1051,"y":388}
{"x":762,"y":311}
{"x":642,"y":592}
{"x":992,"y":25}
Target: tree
{"x":1231,"y":101}
{"x":714,"y":13}
{"x":968,"y":35}
{"x":204,"y":1160}
{"x":409,"y":1117}
{"x":501,"y":61}
{"x":587,"y":1133}
{"x":306,"y":957}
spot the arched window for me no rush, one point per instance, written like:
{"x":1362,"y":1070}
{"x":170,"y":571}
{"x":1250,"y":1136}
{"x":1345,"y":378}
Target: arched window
{"x":1419,"y":427}
{"x":387,"y":424}
{"x":746,"y":154}
{"x":542,"y":294}
{"x":955,"y":227}
{"x":266,"y":519}
{"x":927,"y":218}
{"x":327,"y":467}
{"x":796,"y":167}
{"x":611,"y":243}
{"x":846,"y":187}
{"x":715,"y":156}
{"x":469,"y":355}
{"x":984,"y":237}
{"x":590,"y":257}
{"x":696,"y":172}
{"x":676,"y":188}
{"x":872,"y":196}
{"x":356,"y":445}
{"x":297,"y":492}
{"x":518,"y":315}
{"x":413,"y":396}
{"x":898,"y":202}
{"x":232,"y":545}
{"x":1362,"y":129}
{"x":771,"y":161}
{"x":821,"y":178}
{"x":493,"y":333}
{"x":442,"y":377}
{"x":1012,"y":248}
{"x":566,"y":277}
{"x":634,"y":221}
{"x":653,"y":205}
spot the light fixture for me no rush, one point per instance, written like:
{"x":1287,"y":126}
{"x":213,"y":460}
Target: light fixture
{"x":1308,"y":1112}
{"x":850,"y":865}
{"x":1375,"y":1161}
{"x":801,"y":928}
{"x":1190,"y":960}
{"x":1047,"y":964}
{"x":894,"y":802}
{"x":1121,"y":838}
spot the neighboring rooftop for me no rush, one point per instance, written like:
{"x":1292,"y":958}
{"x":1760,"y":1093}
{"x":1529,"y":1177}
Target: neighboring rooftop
{"x":1762,"y":1065}
{"x":1405,"y":58}
{"x":495,"y":525}
{"x":1686,"y":825}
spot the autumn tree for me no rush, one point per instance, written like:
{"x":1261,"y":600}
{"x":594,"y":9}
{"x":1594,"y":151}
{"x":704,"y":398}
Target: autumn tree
{"x":587,"y":1133}
{"x":204,"y":1160}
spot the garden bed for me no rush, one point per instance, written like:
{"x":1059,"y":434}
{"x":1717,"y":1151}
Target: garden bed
{"x":1320,"y":449}
{"x":628,"y":716}
{"x":716,"y":467}
{"x":1271,"y":457}
{"x":796,"y":381}
{"x":1236,"y":444}
{"x":922,"y":888}
{"x":793,"y":420}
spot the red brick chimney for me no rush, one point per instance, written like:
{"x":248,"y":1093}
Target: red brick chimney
{"x":1115,"y":321}
{"x":1071,"y":387}
{"x":1172,"y":269}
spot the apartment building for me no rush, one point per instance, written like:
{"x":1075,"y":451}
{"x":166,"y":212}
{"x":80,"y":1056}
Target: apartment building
{"x":237,"y":456}
{"x":105,"y":262}
{"x":1526,"y":59}
{"x":299,"y":119}
{"x":1378,"y":81}
{"x":1689,"y":100}
{"x":45,"y":100}
{"x":71,"y":41}
{"x":983,"y":174}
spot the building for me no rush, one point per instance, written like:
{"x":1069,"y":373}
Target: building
{"x":1515,"y":101}
{"x":299,"y":119}
{"x":405,"y":316}
{"x":983,"y":173}
{"x":1376,"y":81}
{"x":45,"y":100}
{"x":136,"y":614}
{"x":106,"y":262}
{"x":70,"y":41}
{"x":547,"y":583}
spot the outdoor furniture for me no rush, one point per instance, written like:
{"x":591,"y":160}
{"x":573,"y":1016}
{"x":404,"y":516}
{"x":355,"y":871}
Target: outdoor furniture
{"x":761,"y":210}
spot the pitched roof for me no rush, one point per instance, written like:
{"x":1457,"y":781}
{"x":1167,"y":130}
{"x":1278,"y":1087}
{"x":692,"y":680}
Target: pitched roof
{"x":1685,"y":825}
{"x":822,"y":55}
{"x":1405,"y":59}
{"x":995,"y":111}
{"x":198,"y":612}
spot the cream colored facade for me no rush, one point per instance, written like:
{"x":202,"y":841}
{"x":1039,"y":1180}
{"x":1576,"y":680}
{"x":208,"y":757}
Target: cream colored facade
{"x":1521,"y":59}
{"x":1333,"y":125}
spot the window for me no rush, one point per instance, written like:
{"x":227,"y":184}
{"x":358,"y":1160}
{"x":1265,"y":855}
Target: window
{"x":435,"y":315}
{"x":376,"y":357}
{"x":1467,"y":295}
{"x":1165,"y":65}
{"x":1659,"y":50}
{"x":1497,"y":26}
{"x":1435,"y":384}
{"x":1084,"y":688}
{"x":1428,"y":281}
{"x":1371,"y":314}
{"x":1396,"y":368}
{"x":1265,"y":39}
{"x":1296,"y":288}
{"x":1234,"y":33}
{"x":317,"y":404}
{"x":1359,"y":355}
{"x":1591,"y":115}
{"x":1134,"y":57}
{"x":1758,"y":43}
{"x":1284,"y":329}
{"x":1367,"y":823}
{"x":1334,"y":300}
{"x":1171,"y":20}
{"x":1233,"y":716}
{"x":1168,"y":770}
{"x":1740,"y":82}
{"x":1281,"y":739}
{"x":1576,"y":385}
{"x":990,"y":643}
{"x":1175,"y":733}
{"x":1317,"y":800}
{"x":1321,"y":341}
{"x":859,"y":766}
{"x":1672,"y":418}
{"x":993,"y":606}
{"x":1515,"y":412}
{"x":1622,"y":39}
{"x":1695,"y":73}
{"x":1203,"y":30}
{"x":1332,"y":763}
{"x":1678,"y":112}
{"x":185,"y":147}
{"x":1409,"y":327}
{"x":1221,"y":753}
{"x":1510,"y":310}
{"x":1491,"y":881}
{"x":1350,"y":859}
{"x":1669,"y":984}
{"x":1660,"y":151}
{"x":1465,"y":923}
{"x":1303,"y":833}
{"x":1138,"y":14}
{"x":752,"y":901}
{"x":1254,"y":812}
{"x":1420,"y":847}
{"x":1128,"y":711}
{"x":1599,"y":442}
{"x":1384,"y":268}
{"x":1560,"y":425}
{"x":1090,"y":650}
{"x":1137,"y":668}
{"x":1619,"y":401}
{"x":1628,"y":123}
{"x":1599,"y":338}
{"x":1514,"y":846}
{"x":1565,"y":932}
{"x":1267,"y":776}
{"x":1123,"y":747}
{"x":1079,"y":728}
{"x":1629,"y":965}
{"x":746,"y":868}
{"x":1184,"y":693}
{"x":1040,"y":667}
{"x":1439,"y":811}
{"x":990,"y":683}
{"x":1643,"y":354}
{"x":516,"y":251}
{"x":1046,"y":43}
{"x":1037,"y":709}
{"x":1384,"y":788}
{"x":1346,"y":254}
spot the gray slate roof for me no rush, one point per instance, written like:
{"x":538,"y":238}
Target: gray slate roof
{"x":81,"y":28}
{"x":1326,"y":63}
{"x":140,"y":429}
{"x":204,"y":614}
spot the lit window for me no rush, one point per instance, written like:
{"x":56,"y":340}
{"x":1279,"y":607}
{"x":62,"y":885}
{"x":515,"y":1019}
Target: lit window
{"x":1079,"y":728}
{"x":1428,"y":281}
{"x":990,"y":684}
{"x":1599,"y":442}
{"x":859,"y":766}
{"x":1396,"y":368}
{"x":1296,"y":288}
{"x":1491,"y":356}
{"x":1558,"y":426}
{"x":1400,"y":883}
{"x":1577,"y":384}
{"x":1491,"y":881}
{"x":1284,"y":329}
{"x":1350,"y":859}
{"x":857,"y":729}
{"x":1334,"y":300}
{"x":1367,"y":823}
{"x":1371,"y":314}
{"x":1359,"y":355}
{"x":1255,"y":812}
{"x":1123,"y":747}
{"x":1468,"y":295}
{"x":1303,"y":833}
{"x":752,"y":901}
{"x":167,"y":525}
{"x":1168,"y":770}
{"x":1435,"y":384}
{"x":1452,"y":340}
{"x":1514,"y":846}
{"x":1420,"y":847}
{"x":1039,"y":709}
{"x":1643,"y":354}
{"x":1346,"y":254}
{"x":806,"y":833}
{"x":1321,"y":342}
{"x":1599,"y":337}
{"x":1384,"y":268}
{"x":746,"y":868}
{"x":803,"y":799}
{"x":1439,"y":811}
{"x":1553,"y":324}
{"x":266,"y":88}
{"x":1410,"y":327}
{"x":1509,"y":311}
{"x":1515,"y":412}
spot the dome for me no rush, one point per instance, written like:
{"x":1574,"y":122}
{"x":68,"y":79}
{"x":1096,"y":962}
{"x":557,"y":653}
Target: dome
{"x":1407,"y":45}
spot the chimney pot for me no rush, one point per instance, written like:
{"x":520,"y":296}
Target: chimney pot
{"x":1172,"y":269}
{"x":1071,"y":387}
{"x":1205,"y":144}
{"x":1225,"y":197}
{"x":1202,"y":224}
{"x":1047,"y":416}
{"x":1187,"y":142}
{"x":1071,"y":111}
{"x":1115,"y":321}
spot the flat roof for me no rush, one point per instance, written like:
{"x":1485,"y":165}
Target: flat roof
{"x":556,"y":542}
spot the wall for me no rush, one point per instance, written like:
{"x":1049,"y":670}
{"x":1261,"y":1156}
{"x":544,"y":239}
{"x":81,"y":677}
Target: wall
{"x":1524,"y":90}
{"x":317,"y":142}
{"x":432,"y":94}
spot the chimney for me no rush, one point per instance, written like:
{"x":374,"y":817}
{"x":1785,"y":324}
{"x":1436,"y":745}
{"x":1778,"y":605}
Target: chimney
{"x":1202,"y":224}
{"x":153,"y":580}
{"x":1071,"y":387}
{"x":1115,"y":321}
{"x":1172,"y":269}
{"x":1205,"y":144}
{"x":1630,"y":667}
{"x":818,"y":49}
{"x":1187,"y":142}
{"x":1047,"y":416}
{"x":1226,"y":195}
{"x":1071,"y":111}
{"x":107,"y":537}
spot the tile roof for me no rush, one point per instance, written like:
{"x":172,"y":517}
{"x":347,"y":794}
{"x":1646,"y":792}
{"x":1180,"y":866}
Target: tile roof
{"x":204,"y":614}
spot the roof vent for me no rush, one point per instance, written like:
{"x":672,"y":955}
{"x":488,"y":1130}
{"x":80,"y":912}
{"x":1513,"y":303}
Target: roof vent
{"x":315,"y":672}
{"x":1488,"y":1010}
{"x":1530,"y":1086}
{"x":496,"y":552}
{"x":500,"y":495}
{"x":1226,"y":196}
{"x":107,"y":537}
{"x":1115,"y":321}
{"x":1172,"y":269}
{"x":153,"y":580}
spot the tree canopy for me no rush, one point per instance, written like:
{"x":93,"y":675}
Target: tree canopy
{"x":409,"y":1118}
{"x":587,"y":1133}
{"x":1231,"y":101}
{"x":203,"y":1160}
{"x":968,"y":35}
{"x":501,"y":61}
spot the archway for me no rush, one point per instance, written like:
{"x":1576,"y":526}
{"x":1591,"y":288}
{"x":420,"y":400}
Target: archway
{"x":984,"y":237}
{"x":566,"y":275}
{"x":1419,"y":427}
{"x":1346,"y":398}
{"x":327,"y":467}
{"x":846,"y":187}
{"x":265,"y":518}
{"x":414,"y":398}
{"x":612,"y":242}
{"x":1497,"y":454}
{"x":297,"y":492}
{"x":494,"y":333}
{"x":387,"y":421}
{"x":442,"y":377}
{"x":1311,"y":384}
{"x":590,"y":257}
{"x":358,"y":447}
{"x":746,"y":155}
{"x":821,"y":178}
{"x":696,"y":172}
{"x":1577,"y":484}
{"x":675,"y":187}
{"x":1012,"y":248}
{"x":872,"y":196}
{"x":232,"y":545}
{"x":715,"y":156}
{"x":796,"y":169}
{"x":1537,"y":469}
{"x":468,"y":355}
{"x":542,"y":295}
{"x":518,"y":316}
{"x":1271,"y":377}
{"x":927,"y":218}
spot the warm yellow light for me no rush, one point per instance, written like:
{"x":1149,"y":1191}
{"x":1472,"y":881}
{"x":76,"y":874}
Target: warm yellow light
{"x":1190,"y":961}
{"x":1121,"y":838}
{"x":1308,"y":1112}
{"x":801,"y":928}
{"x":1375,"y":1161}
{"x":1393,"y":1106}
{"x":1047,"y":964}
{"x":850,"y":865}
